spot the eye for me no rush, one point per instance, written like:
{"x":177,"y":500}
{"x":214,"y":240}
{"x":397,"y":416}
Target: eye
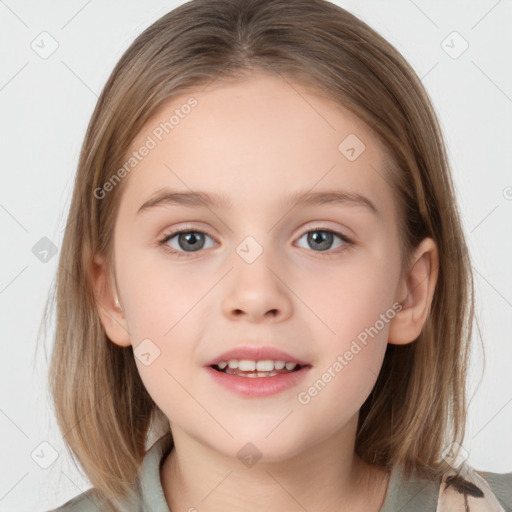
{"x":186,"y":241}
{"x":322,"y":239}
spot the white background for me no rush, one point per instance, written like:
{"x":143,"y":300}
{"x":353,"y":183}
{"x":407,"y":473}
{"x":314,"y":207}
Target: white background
{"x":46,"y":105}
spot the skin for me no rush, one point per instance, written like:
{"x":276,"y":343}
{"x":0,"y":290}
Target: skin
{"x":257,"y":141}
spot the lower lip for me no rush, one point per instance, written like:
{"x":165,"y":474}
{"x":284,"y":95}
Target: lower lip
{"x":258,"y":386}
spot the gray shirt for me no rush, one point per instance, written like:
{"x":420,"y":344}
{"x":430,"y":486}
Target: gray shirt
{"x":480,"y":491}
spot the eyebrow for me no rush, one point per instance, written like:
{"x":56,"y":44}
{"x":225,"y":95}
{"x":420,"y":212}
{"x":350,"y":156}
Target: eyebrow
{"x":220,"y":201}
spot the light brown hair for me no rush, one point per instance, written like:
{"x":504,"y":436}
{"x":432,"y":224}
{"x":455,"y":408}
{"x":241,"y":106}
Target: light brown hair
{"x":418,"y":404}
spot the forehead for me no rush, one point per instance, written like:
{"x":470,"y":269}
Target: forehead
{"x":255,"y":140}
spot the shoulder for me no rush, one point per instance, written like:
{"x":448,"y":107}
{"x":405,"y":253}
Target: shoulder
{"x":501,"y":486}
{"x":475,"y":490}
{"x":147,"y":492}
{"x":89,"y":501}
{"x":85,"y":502}
{"x":462,"y":489}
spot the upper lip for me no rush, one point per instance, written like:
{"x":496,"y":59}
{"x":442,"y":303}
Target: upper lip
{"x":256,"y":354}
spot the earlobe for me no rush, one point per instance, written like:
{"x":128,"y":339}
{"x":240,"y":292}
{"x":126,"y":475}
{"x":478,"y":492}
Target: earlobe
{"x":415,"y":294}
{"x":110,"y":312}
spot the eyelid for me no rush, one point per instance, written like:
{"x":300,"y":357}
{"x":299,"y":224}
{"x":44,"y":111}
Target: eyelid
{"x":183,"y":229}
{"x":336,"y":231}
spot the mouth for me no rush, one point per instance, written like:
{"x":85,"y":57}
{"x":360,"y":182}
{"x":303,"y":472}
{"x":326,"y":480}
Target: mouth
{"x":257,"y":378}
{"x":257,"y":369}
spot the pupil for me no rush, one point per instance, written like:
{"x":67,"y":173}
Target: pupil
{"x":192,"y":239}
{"x":323,"y":241}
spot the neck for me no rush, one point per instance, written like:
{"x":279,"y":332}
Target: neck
{"x":327,"y":477}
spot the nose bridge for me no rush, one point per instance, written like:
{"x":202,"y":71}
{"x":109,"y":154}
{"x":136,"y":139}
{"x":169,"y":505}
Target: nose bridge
{"x":256,"y":263}
{"x":256,"y":285}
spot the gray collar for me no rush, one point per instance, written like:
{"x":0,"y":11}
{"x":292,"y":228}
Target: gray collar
{"x":151,"y":491}
{"x":402,"y":495}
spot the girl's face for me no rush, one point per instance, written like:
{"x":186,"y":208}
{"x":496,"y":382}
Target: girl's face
{"x":257,"y":265}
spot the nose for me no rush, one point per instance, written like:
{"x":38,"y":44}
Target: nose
{"x":257,"y":293}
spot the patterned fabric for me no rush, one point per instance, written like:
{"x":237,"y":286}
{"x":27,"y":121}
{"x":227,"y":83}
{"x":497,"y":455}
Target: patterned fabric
{"x":466,"y":491}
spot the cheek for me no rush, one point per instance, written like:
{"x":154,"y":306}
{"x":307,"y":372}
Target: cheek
{"x":162,"y":302}
{"x":160,"y":295}
{"x":355,"y":306}
{"x":352,"y":297}
{"x":359,"y":316}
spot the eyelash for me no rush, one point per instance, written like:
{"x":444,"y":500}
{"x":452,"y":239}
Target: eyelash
{"x":181,"y":254}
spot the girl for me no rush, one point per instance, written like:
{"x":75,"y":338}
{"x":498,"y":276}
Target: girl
{"x":310,"y":352}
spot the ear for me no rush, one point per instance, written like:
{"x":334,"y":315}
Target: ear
{"x":110,"y":312}
{"x":415,"y":294}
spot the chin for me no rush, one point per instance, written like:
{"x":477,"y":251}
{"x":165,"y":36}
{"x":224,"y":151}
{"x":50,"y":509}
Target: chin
{"x":251,"y":444}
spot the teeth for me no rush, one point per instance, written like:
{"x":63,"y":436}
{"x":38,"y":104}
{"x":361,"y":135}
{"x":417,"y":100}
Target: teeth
{"x":253,"y":375}
{"x":265,"y":366}
{"x":247,"y":365}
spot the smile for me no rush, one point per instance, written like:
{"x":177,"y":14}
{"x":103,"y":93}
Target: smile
{"x":257,"y":379}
